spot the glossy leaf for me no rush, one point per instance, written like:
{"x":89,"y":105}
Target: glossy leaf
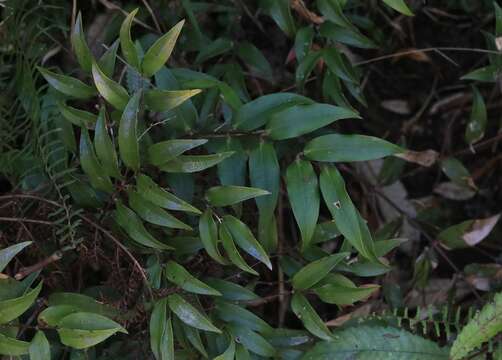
{"x":161,"y":332}
{"x":230,"y":195}
{"x":399,"y":5}
{"x":128,"y":137}
{"x":229,"y":353}
{"x":252,"y":341}
{"x":158,"y":54}
{"x":67,"y":85}
{"x":91,"y":166}
{"x":105,"y":150}
{"x":165,"y":100}
{"x":208,"y":232}
{"x":280,"y":11}
{"x":194,"y":163}
{"x":314,"y":272}
{"x":165,"y":151}
{"x":154,"y":214}
{"x":12,"y":347}
{"x":12,"y":308}
{"x":178,"y":275}
{"x":111,"y":91}
{"x":348,"y":148}
{"x":235,"y":314}
{"x":82,"y":330}
{"x":303,"y":189}
{"x":303,"y":42}
{"x":107,"y":61}
{"x":133,"y":226}
{"x":39,"y":347}
{"x":306,"y":313}
{"x":126,"y":44}
{"x":159,"y":196}
{"x":476,"y":126}
{"x":245,"y":239}
{"x":79,"y":44}
{"x":486,"y":74}
{"x":7,"y":254}
{"x":189,"y":314}
{"x":77,"y":117}
{"x":341,"y":291}
{"x":256,"y":113}
{"x":255,"y":60}
{"x":232,"y":252}
{"x":82,"y":303}
{"x":231,"y":291}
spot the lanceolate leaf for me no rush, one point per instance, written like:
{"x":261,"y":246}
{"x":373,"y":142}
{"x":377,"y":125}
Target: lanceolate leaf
{"x":77,"y":117}
{"x":157,"y":195}
{"x":477,"y":123}
{"x":84,"y":55}
{"x":229,"y":353}
{"x":105,"y":150}
{"x":306,"y":313}
{"x":208,"y":232}
{"x":339,"y":290}
{"x":346,"y":216}
{"x":67,"y":85}
{"x":230,"y":195}
{"x":111,"y":91}
{"x":128,"y":138}
{"x":126,"y":43}
{"x":152,"y":213}
{"x":256,"y":113}
{"x":314,"y":272}
{"x":348,"y":148}
{"x":252,"y":341}
{"x":303,"y":193}
{"x":12,"y":347}
{"x":39,"y":347}
{"x":91,"y":166}
{"x":158,"y":54}
{"x":165,"y":100}
{"x":280,"y":11}
{"x":178,"y":275}
{"x":194,"y":163}
{"x":231,"y":291}
{"x":12,"y":308}
{"x":302,"y":119}
{"x":133,"y":226}
{"x":245,"y":239}
{"x":232,"y":252}
{"x":189,"y":314}
{"x":238,"y":315}
{"x":7,"y":254}
{"x":377,"y":342}
{"x":399,"y":5}
{"x":165,"y":151}
{"x":161,"y":332}
{"x":107,"y":61}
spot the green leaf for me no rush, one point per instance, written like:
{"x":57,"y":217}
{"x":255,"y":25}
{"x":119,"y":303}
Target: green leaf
{"x":486,"y":74}
{"x":81,"y":302}
{"x":332,"y":10}
{"x":194,"y":163}
{"x":235,"y":314}
{"x":39,"y":347}
{"x":348,"y":148}
{"x":485,"y":325}
{"x":315,"y":271}
{"x":54,"y":314}
{"x":158,"y":54}
{"x":256,"y":113}
{"x":84,"y":55}
{"x":91,"y":166}
{"x":111,"y":91}
{"x":337,"y":289}
{"x":229,"y":353}
{"x":208,"y":232}
{"x":306,"y":66}
{"x":303,"y":42}
{"x":133,"y":226}
{"x":82,"y":330}
{"x":231,"y":291}
{"x":213,"y":49}
{"x":157,"y":195}
{"x":468,"y":233}
{"x":399,"y":5}
{"x":350,"y":36}
{"x":105,"y":150}
{"x":165,"y":100}
{"x":306,"y":313}
{"x":178,"y":275}
{"x":67,"y":85}
{"x":257,"y":63}
{"x":303,"y":188}
{"x":302,"y":119}
{"x":12,"y":308}
{"x":193,"y":336}
{"x":234,"y":256}
{"x":377,"y":342}
{"x":280,"y":11}
{"x":476,"y":126}
{"x":77,"y":117}
{"x":13,"y":347}
{"x":347,"y":218}
{"x":128,"y":138}
{"x":161,"y":332}
{"x":252,"y":341}
{"x":245,"y":239}
{"x":107,"y":61}
{"x":7,"y":254}
{"x":189,"y":314}
{"x":457,"y":172}
{"x":153,"y":214}
{"x":338,"y":64}
{"x":126,"y":44}
{"x":164,"y":151}
{"x":230,"y":195}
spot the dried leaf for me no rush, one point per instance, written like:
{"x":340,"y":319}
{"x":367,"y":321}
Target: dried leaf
{"x":480,"y":230}
{"x":425,"y":158}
